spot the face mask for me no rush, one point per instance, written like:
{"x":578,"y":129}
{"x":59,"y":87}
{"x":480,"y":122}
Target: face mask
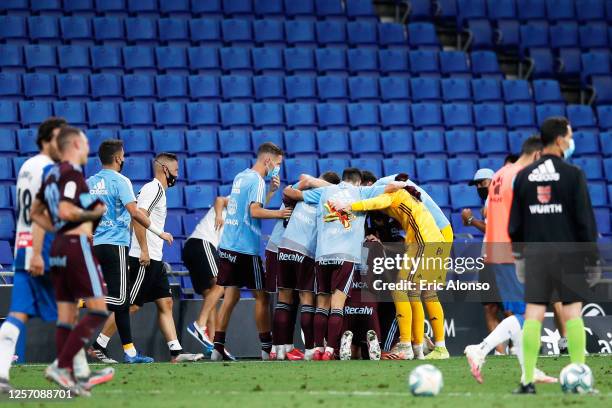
{"x":275,"y":171}
{"x":170,"y":179}
{"x":121,"y":165}
{"x":483,"y":192}
{"x":567,"y":153}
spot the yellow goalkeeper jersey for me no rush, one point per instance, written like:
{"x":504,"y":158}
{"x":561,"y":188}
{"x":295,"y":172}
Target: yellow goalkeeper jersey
{"x":415,"y":218}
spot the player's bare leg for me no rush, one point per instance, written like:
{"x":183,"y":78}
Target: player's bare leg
{"x":230,"y":299}
{"x":165,"y":320}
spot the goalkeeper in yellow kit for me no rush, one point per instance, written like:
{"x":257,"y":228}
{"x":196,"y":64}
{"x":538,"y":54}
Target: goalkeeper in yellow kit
{"x":425,"y":241}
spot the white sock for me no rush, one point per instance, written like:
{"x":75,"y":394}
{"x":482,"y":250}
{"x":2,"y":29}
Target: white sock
{"x":440,"y":343}
{"x":517,"y":339}
{"x":130,"y":350}
{"x":103,"y":340}
{"x":502,"y":333}
{"x":9,"y":333}
{"x":80,"y":366}
{"x":174,"y":345}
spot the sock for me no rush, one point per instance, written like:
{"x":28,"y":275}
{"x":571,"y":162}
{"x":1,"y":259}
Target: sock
{"x":320,"y":326}
{"x":79,"y":336}
{"x":9,"y":334}
{"x":503,"y":332}
{"x":334,"y":328}
{"x":281,"y":323}
{"x":307,"y":322}
{"x":102,"y":341}
{"x":79,"y":363}
{"x":62,"y":332}
{"x":124,"y":326}
{"x":516,"y":336}
{"x":436,"y":318}
{"x":265,"y":339}
{"x":175,"y":348}
{"x":403,"y":314}
{"x":418,"y":322}
{"x":130,"y":350}
{"x":531,"y":347}
{"x":576,"y":340}
{"x":219,"y":341}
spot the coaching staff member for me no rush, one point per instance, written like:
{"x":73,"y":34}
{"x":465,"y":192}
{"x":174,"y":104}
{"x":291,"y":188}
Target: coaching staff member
{"x":552,"y":215}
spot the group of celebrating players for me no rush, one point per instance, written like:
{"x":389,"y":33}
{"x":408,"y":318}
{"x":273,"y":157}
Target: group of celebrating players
{"x":94,"y":240}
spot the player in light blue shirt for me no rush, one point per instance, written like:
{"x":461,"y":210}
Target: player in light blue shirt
{"x":239,"y":261}
{"x":111,"y":242}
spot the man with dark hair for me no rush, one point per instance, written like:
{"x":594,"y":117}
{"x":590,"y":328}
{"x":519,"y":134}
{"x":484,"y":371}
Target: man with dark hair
{"x":46,"y":130}
{"x":111,"y":243}
{"x":367,"y":178}
{"x":63,"y":204}
{"x":552,"y":226}
{"x":352,"y":175}
{"x":240,"y":265}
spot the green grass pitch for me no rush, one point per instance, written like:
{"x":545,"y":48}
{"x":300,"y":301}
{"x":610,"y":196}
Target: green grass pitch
{"x":319,"y":384}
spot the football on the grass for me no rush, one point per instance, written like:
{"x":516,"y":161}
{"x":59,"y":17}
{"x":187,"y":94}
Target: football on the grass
{"x":425,"y":381}
{"x":576,"y":379}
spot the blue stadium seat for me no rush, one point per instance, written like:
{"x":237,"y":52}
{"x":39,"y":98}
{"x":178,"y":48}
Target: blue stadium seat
{"x":395,"y":115}
{"x":492,"y":162}
{"x":430,"y":169}
{"x":172,"y":60}
{"x":139,"y":59}
{"x":39,"y":86}
{"x":547,"y":91}
{"x":174,"y":7}
{"x":329,"y":9}
{"x":392,"y":35}
{"x":592,"y":167}
{"x":168,"y":140}
{"x":300,"y":33}
{"x":332,"y":141}
{"x":332,"y":87}
{"x":604,"y":116}
{"x":211,"y":9}
{"x":9,"y":143}
{"x":136,"y":114}
{"x":330,"y":60}
{"x":423,"y":36}
{"x":456,"y":90}
{"x":332,"y":164}
{"x":425,"y":89}
{"x":72,"y":111}
{"x":7,"y":226}
{"x":27,"y":141}
{"x":175,"y":200}
{"x":269,"y":88}
{"x":137,"y":169}
{"x":363,"y":88}
{"x":470,"y":9}
{"x":588,"y":10}
{"x":230,"y":166}
{"x":5,"y":201}
{"x":533,"y":35}
{"x":237,"y":7}
{"x":103,"y":113}
{"x":581,"y":116}
{"x":10,"y":86}
{"x":300,"y":87}
{"x":200,"y":196}
{"x":362,"y":33}
{"x":268,"y":60}
{"x":13,"y":28}
{"x":564,"y":35}
{"x":201,"y":169}
{"x":516,"y":139}
{"x":72,"y":86}
{"x":424,"y":62}
{"x":76,"y":29}
{"x":438,"y":192}
{"x":190,"y":221}
{"x":461,"y":169}
{"x":489,"y":115}
{"x":516,"y":90}
{"x":173,"y":30}
{"x":328,"y":33}
{"x":74,"y":58}
{"x":363,"y":114}
{"x":362,"y":10}
{"x":234,"y":141}
{"x":598,"y":193}
{"x":237,"y":32}
{"x":520,"y":115}
{"x":543,"y":61}
{"x":8,"y":112}
{"x":11,"y":58}
{"x":531,"y":9}
{"x":330,"y":115}
{"x":560,"y":10}
{"x":300,"y":165}
{"x":94,"y":165}
{"x":143,"y":7}
{"x":586,"y":142}
{"x":492,"y":141}
{"x":204,"y":87}
{"x":394,"y":88}
{"x":602,"y":87}
{"x":300,"y":9}
{"x":139,"y":87}
{"x":6,"y":170}
{"x":299,"y":60}
{"x":455,"y":64}
{"x":34,"y":112}
{"x":602,"y":220}
{"x":399,"y":165}
{"x":299,"y":115}
{"x":362,"y":60}
{"x":269,"y":33}
{"x":171,"y":87}
{"x":236,"y":87}
{"x":394,"y":62}
{"x":267,"y":114}
{"x":607,"y":164}
{"x":258,"y":137}
{"x":235,"y":60}
{"x":109,"y":29}
{"x":96,"y":137}
{"x":486,"y":89}
{"x":235,"y":114}
{"x":397,"y":142}
{"x":595,"y":63}
{"x":460,"y":141}
{"x":202,"y":142}
{"x":136,"y":140}
{"x":141,"y":30}
{"x":485,"y":65}
{"x":106,"y":59}
{"x":43,"y":28}
{"x":269,"y":8}
{"x":547,"y":110}
{"x":300,"y":142}
{"x":481,"y":34}
{"x":205,"y":31}
{"x":593,"y":36}
{"x":40,"y":58}
{"x":426,"y":115}
{"x":370,"y":164}
{"x":606,"y":143}
{"x":457,"y":115}
{"x":463,"y":196}
{"x":106,"y":86}
{"x":428,"y":141}
{"x":365,"y":141}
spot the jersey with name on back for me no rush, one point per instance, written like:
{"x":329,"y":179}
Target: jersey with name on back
{"x":115,"y":190}
{"x":242,"y":232}
{"x":152,"y":198}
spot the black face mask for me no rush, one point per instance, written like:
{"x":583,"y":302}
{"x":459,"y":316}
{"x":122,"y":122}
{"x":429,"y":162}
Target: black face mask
{"x":170,"y":179}
{"x":121,"y":166}
{"x":483,"y":192}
